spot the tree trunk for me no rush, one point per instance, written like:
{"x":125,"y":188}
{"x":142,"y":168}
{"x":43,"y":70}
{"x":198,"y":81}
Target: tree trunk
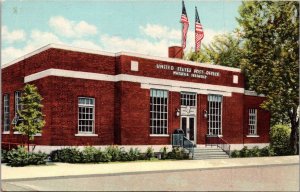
{"x":28,"y":143}
{"x":294,"y":138}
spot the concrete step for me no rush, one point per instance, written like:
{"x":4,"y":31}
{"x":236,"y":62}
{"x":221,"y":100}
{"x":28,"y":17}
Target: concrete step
{"x":209,"y":153}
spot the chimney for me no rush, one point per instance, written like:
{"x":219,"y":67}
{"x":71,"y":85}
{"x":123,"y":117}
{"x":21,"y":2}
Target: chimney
{"x":176,"y":52}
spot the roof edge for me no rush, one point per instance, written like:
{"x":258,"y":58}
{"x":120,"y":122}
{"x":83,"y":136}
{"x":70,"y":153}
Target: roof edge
{"x":166,"y":59}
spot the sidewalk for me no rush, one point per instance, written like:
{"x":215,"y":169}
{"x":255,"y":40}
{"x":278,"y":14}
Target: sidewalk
{"x":66,"y":169}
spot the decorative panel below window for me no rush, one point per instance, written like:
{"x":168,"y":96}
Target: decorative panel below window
{"x":158,"y":112}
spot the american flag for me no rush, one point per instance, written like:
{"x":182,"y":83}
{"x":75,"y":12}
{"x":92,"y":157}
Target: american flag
{"x":199,"y":33}
{"x":185,"y":25}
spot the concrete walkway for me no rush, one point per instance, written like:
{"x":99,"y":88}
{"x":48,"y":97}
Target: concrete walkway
{"x":66,"y":169}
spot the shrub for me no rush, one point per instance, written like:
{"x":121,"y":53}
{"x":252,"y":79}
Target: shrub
{"x":235,"y":153}
{"x":133,"y":154}
{"x":266,"y":151}
{"x":69,"y":155}
{"x":280,"y":139}
{"x":37,"y":158}
{"x":149,"y":153}
{"x":102,"y":156}
{"x":88,"y":154}
{"x":20,"y":157}
{"x":164,"y":153}
{"x":114,"y":151}
{"x":254,"y":152}
{"x":244,"y":152}
{"x":177,"y":153}
{"x":3,"y":156}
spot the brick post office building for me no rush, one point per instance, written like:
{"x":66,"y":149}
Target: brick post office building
{"x":99,"y":98}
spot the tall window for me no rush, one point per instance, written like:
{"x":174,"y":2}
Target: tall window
{"x":252,"y":121}
{"x":18,"y":107}
{"x":214,"y":114}
{"x":158,"y":112}
{"x":188,"y":99}
{"x":86,"y":115}
{"x":6,"y":120}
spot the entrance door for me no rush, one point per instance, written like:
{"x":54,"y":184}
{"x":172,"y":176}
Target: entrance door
{"x":188,"y":126}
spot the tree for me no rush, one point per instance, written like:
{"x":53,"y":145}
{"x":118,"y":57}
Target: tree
{"x":270,"y":30}
{"x":30,"y":116}
{"x":224,"y":50}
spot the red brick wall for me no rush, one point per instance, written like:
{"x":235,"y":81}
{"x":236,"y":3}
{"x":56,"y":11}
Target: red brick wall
{"x":122,"y":108}
{"x":263,"y":120}
{"x":148,"y":68}
{"x":70,"y":60}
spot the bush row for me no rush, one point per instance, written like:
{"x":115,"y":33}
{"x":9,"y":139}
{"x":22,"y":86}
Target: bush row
{"x":91,"y":155}
{"x":111,"y":154}
{"x":20,"y":157}
{"x":254,"y":152}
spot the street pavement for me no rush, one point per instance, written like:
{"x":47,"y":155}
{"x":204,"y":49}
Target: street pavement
{"x":251,"y":174}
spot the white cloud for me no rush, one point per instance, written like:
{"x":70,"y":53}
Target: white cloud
{"x":117,"y":44}
{"x":156,"y":41}
{"x":12,"y":36}
{"x":160,"y":32}
{"x":68,"y":28}
{"x":86,"y":44}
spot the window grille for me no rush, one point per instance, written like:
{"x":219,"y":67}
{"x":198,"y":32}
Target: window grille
{"x":215,"y":114}
{"x":86,"y":114}
{"x":252,"y":121}
{"x":6,"y":120}
{"x":158,"y":112}
{"x":188,"y":99}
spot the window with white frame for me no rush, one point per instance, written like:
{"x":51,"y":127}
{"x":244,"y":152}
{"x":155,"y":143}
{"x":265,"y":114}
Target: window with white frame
{"x":215,"y":114}
{"x":86,"y":115}
{"x":188,"y":99}
{"x":158,"y":112}
{"x":6,"y":121}
{"x":18,"y":107}
{"x":252,"y":121}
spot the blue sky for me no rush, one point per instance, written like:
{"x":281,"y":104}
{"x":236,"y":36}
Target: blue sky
{"x":141,"y":26}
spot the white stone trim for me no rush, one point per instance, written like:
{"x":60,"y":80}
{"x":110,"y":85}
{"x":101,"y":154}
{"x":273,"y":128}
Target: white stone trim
{"x":185,"y":89}
{"x":146,"y":82}
{"x":6,"y":132}
{"x":253,"y":93}
{"x":157,"y":135}
{"x":171,"y":60}
{"x":86,"y":135}
{"x":180,"y":61}
{"x":176,"y":83}
{"x":249,"y":145}
{"x":134,"y":66}
{"x":17,"y":133}
{"x":235,"y":79}
{"x":252,"y":136}
{"x":69,"y":73}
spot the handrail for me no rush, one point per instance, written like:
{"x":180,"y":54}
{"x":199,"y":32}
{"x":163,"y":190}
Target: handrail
{"x":219,"y":142}
{"x":224,"y":145}
{"x":179,"y":140}
{"x":189,"y":145}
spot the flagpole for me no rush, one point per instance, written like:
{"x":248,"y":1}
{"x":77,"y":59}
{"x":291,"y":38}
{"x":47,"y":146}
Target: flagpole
{"x":195,"y":28}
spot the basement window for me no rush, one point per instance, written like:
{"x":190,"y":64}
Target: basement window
{"x":86,"y":115}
